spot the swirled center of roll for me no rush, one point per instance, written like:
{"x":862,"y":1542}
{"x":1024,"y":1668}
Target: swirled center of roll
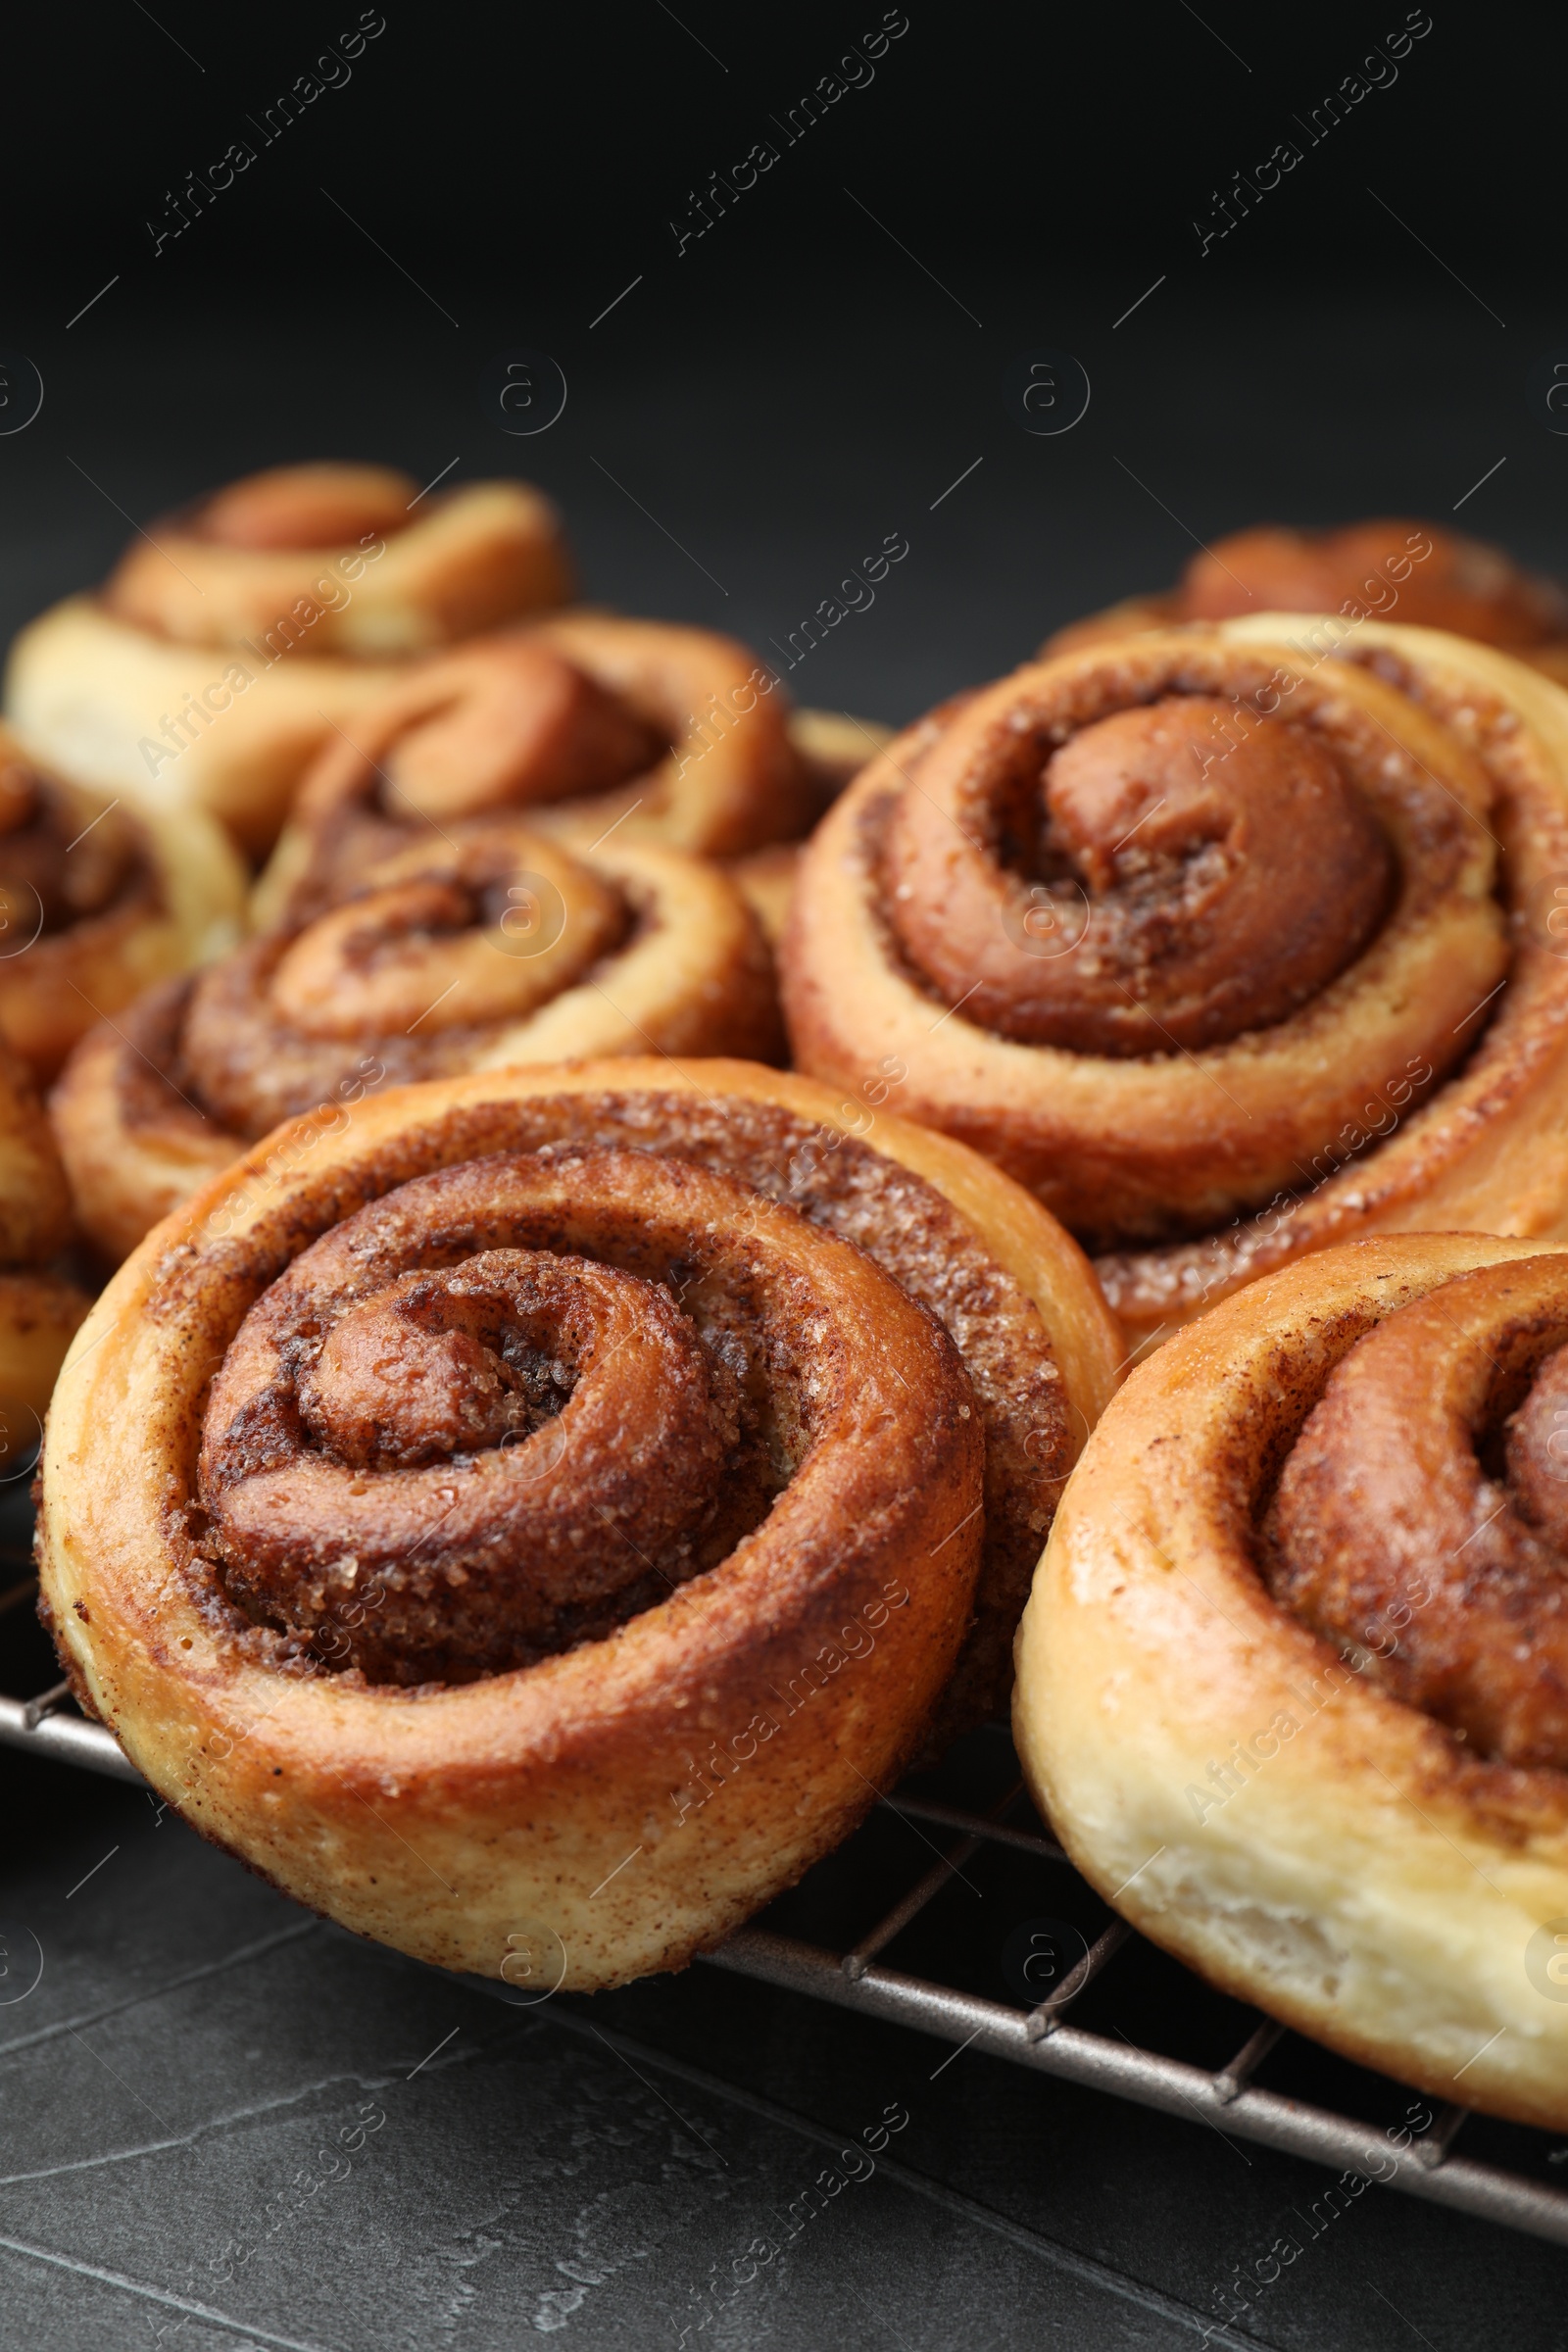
{"x":426,"y":964}
{"x":446,"y":936}
{"x":1398,"y":570}
{"x":519,"y":724}
{"x":63,"y":856}
{"x":453,"y":1466}
{"x":1421,"y":1520}
{"x":1163,"y":881}
{"x":443,"y":1363}
{"x":306,"y":506}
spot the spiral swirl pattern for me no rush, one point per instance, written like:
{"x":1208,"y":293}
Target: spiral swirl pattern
{"x":239,"y":563}
{"x":1248,"y":891}
{"x":513,"y":1444}
{"x":1228,"y":950}
{"x":480,"y":944}
{"x":1428,"y":1493}
{"x":1294,"y":1677}
{"x":577,"y":1484}
{"x":583,"y":721}
{"x":255,"y":625}
{"x":767,"y":1159}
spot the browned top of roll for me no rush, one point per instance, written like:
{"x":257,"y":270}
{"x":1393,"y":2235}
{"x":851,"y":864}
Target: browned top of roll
{"x":1422,"y":1515}
{"x":1157,"y":925}
{"x":1205,"y":896}
{"x":1427,"y":577}
{"x":658,"y":731}
{"x":317,"y":506}
{"x":508,"y":1448}
{"x":422,"y":1371}
{"x":506,"y":724}
{"x":335,"y":560}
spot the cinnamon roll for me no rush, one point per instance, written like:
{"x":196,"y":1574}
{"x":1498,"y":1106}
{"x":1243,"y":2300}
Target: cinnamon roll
{"x":1293,"y":1682}
{"x":1424,"y":576}
{"x":544,"y":1510}
{"x":1228,"y":948}
{"x":234,"y":637}
{"x":587,"y":721}
{"x":472,"y":945}
{"x":40,"y":1308}
{"x":96,"y":903}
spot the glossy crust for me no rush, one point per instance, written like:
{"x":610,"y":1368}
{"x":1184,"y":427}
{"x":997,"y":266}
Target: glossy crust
{"x":139,"y":1131}
{"x":99,"y":903}
{"x":1485,"y":1149}
{"x":531,"y":1824}
{"x":1369,"y":1880}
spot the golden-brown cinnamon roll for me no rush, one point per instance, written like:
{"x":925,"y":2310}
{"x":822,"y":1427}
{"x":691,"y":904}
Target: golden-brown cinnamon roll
{"x":548,"y":1507}
{"x":235,"y":636}
{"x":1420,"y":575}
{"x":228,"y":568}
{"x":587,"y":721}
{"x":1228,"y":947}
{"x":96,"y":904}
{"x":469,"y":945}
{"x":1293,"y":1683}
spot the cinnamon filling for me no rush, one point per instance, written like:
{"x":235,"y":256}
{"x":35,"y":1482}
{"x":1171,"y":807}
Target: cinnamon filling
{"x":448,"y":1441}
{"x":505,"y":724}
{"x":1154,"y":883}
{"x":441,"y":945}
{"x":481,"y":1383}
{"x":1421,"y":1519}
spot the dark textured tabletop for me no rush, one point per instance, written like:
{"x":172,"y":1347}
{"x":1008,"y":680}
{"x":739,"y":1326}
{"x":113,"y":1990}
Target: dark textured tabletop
{"x":227,"y":2122}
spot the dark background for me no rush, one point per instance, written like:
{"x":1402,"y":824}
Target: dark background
{"x":740,"y":428}
{"x":769,"y":401}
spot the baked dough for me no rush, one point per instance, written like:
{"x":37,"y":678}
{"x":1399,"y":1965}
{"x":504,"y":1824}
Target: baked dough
{"x":588,"y":722}
{"x":1348,"y":1804}
{"x":615,"y":1807}
{"x":1409,"y":1075}
{"x":1385,"y":570}
{"x":233,"y":638}
{"x":96,"y":903}
{"x":471,"y":945}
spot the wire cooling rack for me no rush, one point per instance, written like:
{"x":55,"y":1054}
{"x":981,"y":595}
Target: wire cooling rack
{"x":1108,"y":1993}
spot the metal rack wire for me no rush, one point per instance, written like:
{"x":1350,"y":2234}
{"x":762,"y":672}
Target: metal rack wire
{"x":1043,"y":2037}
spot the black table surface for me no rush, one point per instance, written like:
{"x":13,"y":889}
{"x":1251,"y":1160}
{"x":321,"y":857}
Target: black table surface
{"x":203,"y":2070}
